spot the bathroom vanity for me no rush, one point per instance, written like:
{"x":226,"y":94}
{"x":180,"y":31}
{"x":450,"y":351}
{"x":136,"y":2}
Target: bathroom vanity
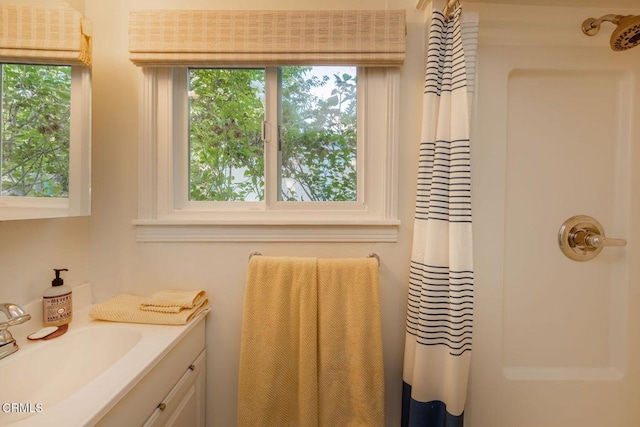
{"x":105,"y":373}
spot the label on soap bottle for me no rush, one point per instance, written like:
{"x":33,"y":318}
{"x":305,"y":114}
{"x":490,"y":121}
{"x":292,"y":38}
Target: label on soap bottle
{"x":57,"y":310}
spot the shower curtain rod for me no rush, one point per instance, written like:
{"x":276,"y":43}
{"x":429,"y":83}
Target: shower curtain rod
{"x":370,"y":255}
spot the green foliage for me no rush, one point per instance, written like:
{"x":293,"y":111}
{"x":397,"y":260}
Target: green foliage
{"x":36,"y":107}
{"x":318,"y":137}
{"x":318,"y":145}
{"x":226,"y":114}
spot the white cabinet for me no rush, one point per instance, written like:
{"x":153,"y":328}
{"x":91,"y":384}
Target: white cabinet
{"x":176,"y":383}
{"x":184,"y":404}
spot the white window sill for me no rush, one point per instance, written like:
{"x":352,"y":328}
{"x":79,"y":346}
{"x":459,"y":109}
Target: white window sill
{"x":22,"y":208}
{"x":10,"y":214}
{"x":266,"y":231}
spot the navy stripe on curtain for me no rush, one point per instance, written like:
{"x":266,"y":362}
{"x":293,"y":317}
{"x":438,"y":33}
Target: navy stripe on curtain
{"x":426,"y":414}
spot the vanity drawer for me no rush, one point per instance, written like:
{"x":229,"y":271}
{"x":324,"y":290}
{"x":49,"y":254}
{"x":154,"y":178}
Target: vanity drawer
{"x":184,"y":404}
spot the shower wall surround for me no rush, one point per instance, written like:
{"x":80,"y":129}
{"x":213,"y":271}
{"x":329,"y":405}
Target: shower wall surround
{"x":555,"y":136}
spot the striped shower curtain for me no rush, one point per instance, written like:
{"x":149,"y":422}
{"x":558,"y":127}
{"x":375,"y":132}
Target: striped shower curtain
{"x":440,"y":307}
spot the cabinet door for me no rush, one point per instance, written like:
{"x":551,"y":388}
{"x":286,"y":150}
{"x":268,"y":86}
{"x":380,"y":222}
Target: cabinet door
{"x":184,"y":405}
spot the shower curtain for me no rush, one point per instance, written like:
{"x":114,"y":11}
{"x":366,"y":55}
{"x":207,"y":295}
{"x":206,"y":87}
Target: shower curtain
{"x":440,"y":306}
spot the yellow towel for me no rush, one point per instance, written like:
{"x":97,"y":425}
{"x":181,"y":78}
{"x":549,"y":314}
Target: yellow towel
{"x":126,"y":308}
{"x":311,"y":349}
{"x":172,"y":301}
{"x":350,"y":365}
{"x":278,"y":351}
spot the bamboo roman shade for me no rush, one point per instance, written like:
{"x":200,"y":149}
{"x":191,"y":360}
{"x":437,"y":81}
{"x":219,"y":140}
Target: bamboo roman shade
{"x":52,"y":34}
{"x":217,"y":37}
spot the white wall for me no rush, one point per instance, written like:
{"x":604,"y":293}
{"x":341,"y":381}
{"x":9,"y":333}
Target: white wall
{"x":30,"y":250}
{"x":118,"y":263}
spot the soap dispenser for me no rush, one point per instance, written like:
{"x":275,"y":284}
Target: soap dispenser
{"x":56,"y":302}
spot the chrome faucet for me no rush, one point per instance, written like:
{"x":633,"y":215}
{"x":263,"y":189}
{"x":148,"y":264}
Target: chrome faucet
{"x":15,"y":316}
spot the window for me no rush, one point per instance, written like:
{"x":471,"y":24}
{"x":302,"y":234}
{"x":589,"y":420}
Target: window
{"x":268,"y":125}
{"x":229,"y":153}
{"x":316,"y":137}
{"x":226,"y":111}
{"x":44,"y":139}
{"x":45,"y":111}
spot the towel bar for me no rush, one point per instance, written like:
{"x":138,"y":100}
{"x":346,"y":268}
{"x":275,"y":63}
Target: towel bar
{"x":370,"y":255}
{"x":374,"y":255}
{"x":254,"y":253}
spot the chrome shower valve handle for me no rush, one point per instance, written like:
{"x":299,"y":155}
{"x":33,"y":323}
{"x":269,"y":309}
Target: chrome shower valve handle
{"x":589,"y":239}
{"x":597,"y":241}
{"x":581,"y":238}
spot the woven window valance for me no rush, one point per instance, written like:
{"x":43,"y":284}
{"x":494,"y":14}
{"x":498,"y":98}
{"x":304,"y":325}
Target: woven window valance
{"x":192,"y":38}
{"x":56,"y":34}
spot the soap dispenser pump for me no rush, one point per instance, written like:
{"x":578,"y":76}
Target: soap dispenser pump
{"x":57,"y":307}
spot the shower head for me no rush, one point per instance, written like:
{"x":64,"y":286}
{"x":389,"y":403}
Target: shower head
{"x":625,"y":36}
{"x":627,"y":33}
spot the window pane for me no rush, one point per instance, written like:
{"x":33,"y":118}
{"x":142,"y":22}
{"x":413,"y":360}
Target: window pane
{"x":35,"y":131}
{"x":318,"y":134}
{"x":226,"y":151}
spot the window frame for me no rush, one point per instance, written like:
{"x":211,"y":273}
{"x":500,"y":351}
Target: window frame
{"x":78,"y":203}
{"x":166,"y":214}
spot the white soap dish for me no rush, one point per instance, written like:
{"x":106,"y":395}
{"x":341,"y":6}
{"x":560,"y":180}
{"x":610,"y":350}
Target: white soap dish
{"x":48,"y":333}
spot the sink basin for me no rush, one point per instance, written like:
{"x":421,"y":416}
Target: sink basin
{"x":42,"y":373}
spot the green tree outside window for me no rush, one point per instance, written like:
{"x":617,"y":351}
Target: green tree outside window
{"x":318,"y":140}
{"x":35,"y":130}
